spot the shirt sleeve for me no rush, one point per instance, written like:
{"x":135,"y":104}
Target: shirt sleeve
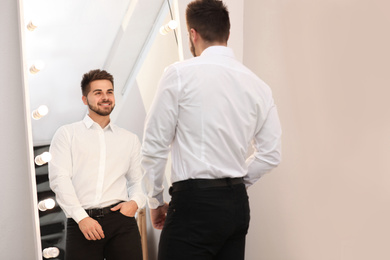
{"x":159,"y":133}
{"x":267,"y":148}
{"x":60,"y":175}
{"x":134,"y":175}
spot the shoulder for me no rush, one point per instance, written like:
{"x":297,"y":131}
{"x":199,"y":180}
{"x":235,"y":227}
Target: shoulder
{"x":259,"y":83}
{"x":69,"y":129}
{"x":65,"y":133}
{"x":177,"y":66}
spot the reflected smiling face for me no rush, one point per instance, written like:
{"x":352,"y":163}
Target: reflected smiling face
{"x":100,"y":98}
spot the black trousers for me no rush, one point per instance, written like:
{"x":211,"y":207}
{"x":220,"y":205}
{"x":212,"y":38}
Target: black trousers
{"x":122,"y":240}
{"x":206,"y":224}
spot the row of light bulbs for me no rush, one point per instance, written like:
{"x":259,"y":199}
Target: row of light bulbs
{"x":43,"y":205}
{"x":47,"y":204}
{"x":41,"y":111}
{"x":38,"y":65}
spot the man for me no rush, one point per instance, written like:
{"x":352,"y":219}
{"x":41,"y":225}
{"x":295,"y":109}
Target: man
{"x":96,"y":176}
{"x":208,"y":110}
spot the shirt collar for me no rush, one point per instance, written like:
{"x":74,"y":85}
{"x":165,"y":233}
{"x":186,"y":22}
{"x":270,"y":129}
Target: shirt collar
{"x":89,"y":123}
{"x":218,"y":50}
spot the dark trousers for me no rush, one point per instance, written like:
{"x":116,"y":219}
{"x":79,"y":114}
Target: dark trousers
{"x":122,"y":240}
{"x":206,"y":224}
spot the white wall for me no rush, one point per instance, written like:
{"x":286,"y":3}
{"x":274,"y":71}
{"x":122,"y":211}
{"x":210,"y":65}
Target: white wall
{"x":18,"y":213}
{"x":327,"y":63}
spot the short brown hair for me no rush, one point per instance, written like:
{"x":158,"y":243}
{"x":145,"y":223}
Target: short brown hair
{"x":210,"y":18}
{"x":93,"y":75}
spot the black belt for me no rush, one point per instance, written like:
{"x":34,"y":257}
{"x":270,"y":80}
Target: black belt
{"x":203,"y":184}
{"x":100,"y":212}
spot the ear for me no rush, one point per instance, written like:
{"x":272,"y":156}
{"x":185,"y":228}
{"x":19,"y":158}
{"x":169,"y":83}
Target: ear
{"x":84,"y":98}
{"x":194,"y":35}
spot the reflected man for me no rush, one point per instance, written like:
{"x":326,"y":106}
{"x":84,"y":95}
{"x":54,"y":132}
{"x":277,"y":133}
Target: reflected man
{"x":95,"y":173}
{"x":208,"y":111}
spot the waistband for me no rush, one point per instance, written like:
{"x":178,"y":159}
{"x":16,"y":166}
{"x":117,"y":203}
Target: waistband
{"x":100,"y":212}
{"x":203,"y":184}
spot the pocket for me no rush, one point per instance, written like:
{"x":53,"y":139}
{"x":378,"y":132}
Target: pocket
{"x":123,"y":215}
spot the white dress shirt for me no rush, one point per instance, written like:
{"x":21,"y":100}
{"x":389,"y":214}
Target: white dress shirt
{"x":209,"y":111}
{"x":93,"y":167}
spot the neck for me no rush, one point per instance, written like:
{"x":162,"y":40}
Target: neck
{"x":204,"y":45}
{"x":103,"y":121}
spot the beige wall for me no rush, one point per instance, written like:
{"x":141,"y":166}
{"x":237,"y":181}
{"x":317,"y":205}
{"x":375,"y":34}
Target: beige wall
{"x":328,"y":64}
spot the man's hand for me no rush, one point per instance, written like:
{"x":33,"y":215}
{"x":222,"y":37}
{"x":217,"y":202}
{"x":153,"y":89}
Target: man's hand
{"x":91,"y":229}
{"x":128,"y":208}
{"x":158,"y":216}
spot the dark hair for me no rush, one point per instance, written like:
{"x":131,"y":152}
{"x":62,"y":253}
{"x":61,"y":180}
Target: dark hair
{"x":93,"y":75}
{"x":210,"y":18}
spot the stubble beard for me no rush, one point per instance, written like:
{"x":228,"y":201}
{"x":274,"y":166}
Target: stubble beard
{"x":192,"y":48}
{"x":99,"y":111}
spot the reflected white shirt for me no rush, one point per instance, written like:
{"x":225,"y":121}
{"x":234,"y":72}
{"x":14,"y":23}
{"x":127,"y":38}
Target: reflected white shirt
{"x":209,"y":111}
{"x":93,"y":167}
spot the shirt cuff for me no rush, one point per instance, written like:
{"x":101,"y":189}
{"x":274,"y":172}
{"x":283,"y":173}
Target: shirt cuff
{"x":79,"y":215}
{"x":140,"y":200}
{"x":156,"y":202}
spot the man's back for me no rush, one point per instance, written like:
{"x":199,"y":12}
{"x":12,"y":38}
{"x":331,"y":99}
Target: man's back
{"x":221,"y":105}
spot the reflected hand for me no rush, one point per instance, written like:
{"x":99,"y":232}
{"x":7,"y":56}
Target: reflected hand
{"x":128,"y":208}
{"x":91,"y":229}
{"x":158,"y":216}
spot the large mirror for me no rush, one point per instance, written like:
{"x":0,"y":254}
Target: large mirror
{"x":65,"y":39}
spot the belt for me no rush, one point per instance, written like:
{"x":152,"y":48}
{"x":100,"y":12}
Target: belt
{"x":203,"y":184}
{"x":100,"y":212}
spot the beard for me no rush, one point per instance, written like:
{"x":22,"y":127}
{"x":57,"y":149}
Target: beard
{"x":99,"y":111}
{"x":192,"y":48}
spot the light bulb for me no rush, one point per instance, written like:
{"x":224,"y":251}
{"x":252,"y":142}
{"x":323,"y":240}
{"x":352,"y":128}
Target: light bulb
{"x":46,"y":204}
{"x":43,"y":158}
{"x":40,"y":112}
{"x":37,"y":66}
{"x":31,"y":26}
{"x":51,"y":252}
{"x":168,"y":27}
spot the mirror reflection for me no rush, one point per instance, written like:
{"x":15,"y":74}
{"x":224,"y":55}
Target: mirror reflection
{"x":65,"y":39}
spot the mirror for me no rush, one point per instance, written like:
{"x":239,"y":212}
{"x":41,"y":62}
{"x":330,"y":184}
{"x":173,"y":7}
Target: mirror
{"x":72,"y":37}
